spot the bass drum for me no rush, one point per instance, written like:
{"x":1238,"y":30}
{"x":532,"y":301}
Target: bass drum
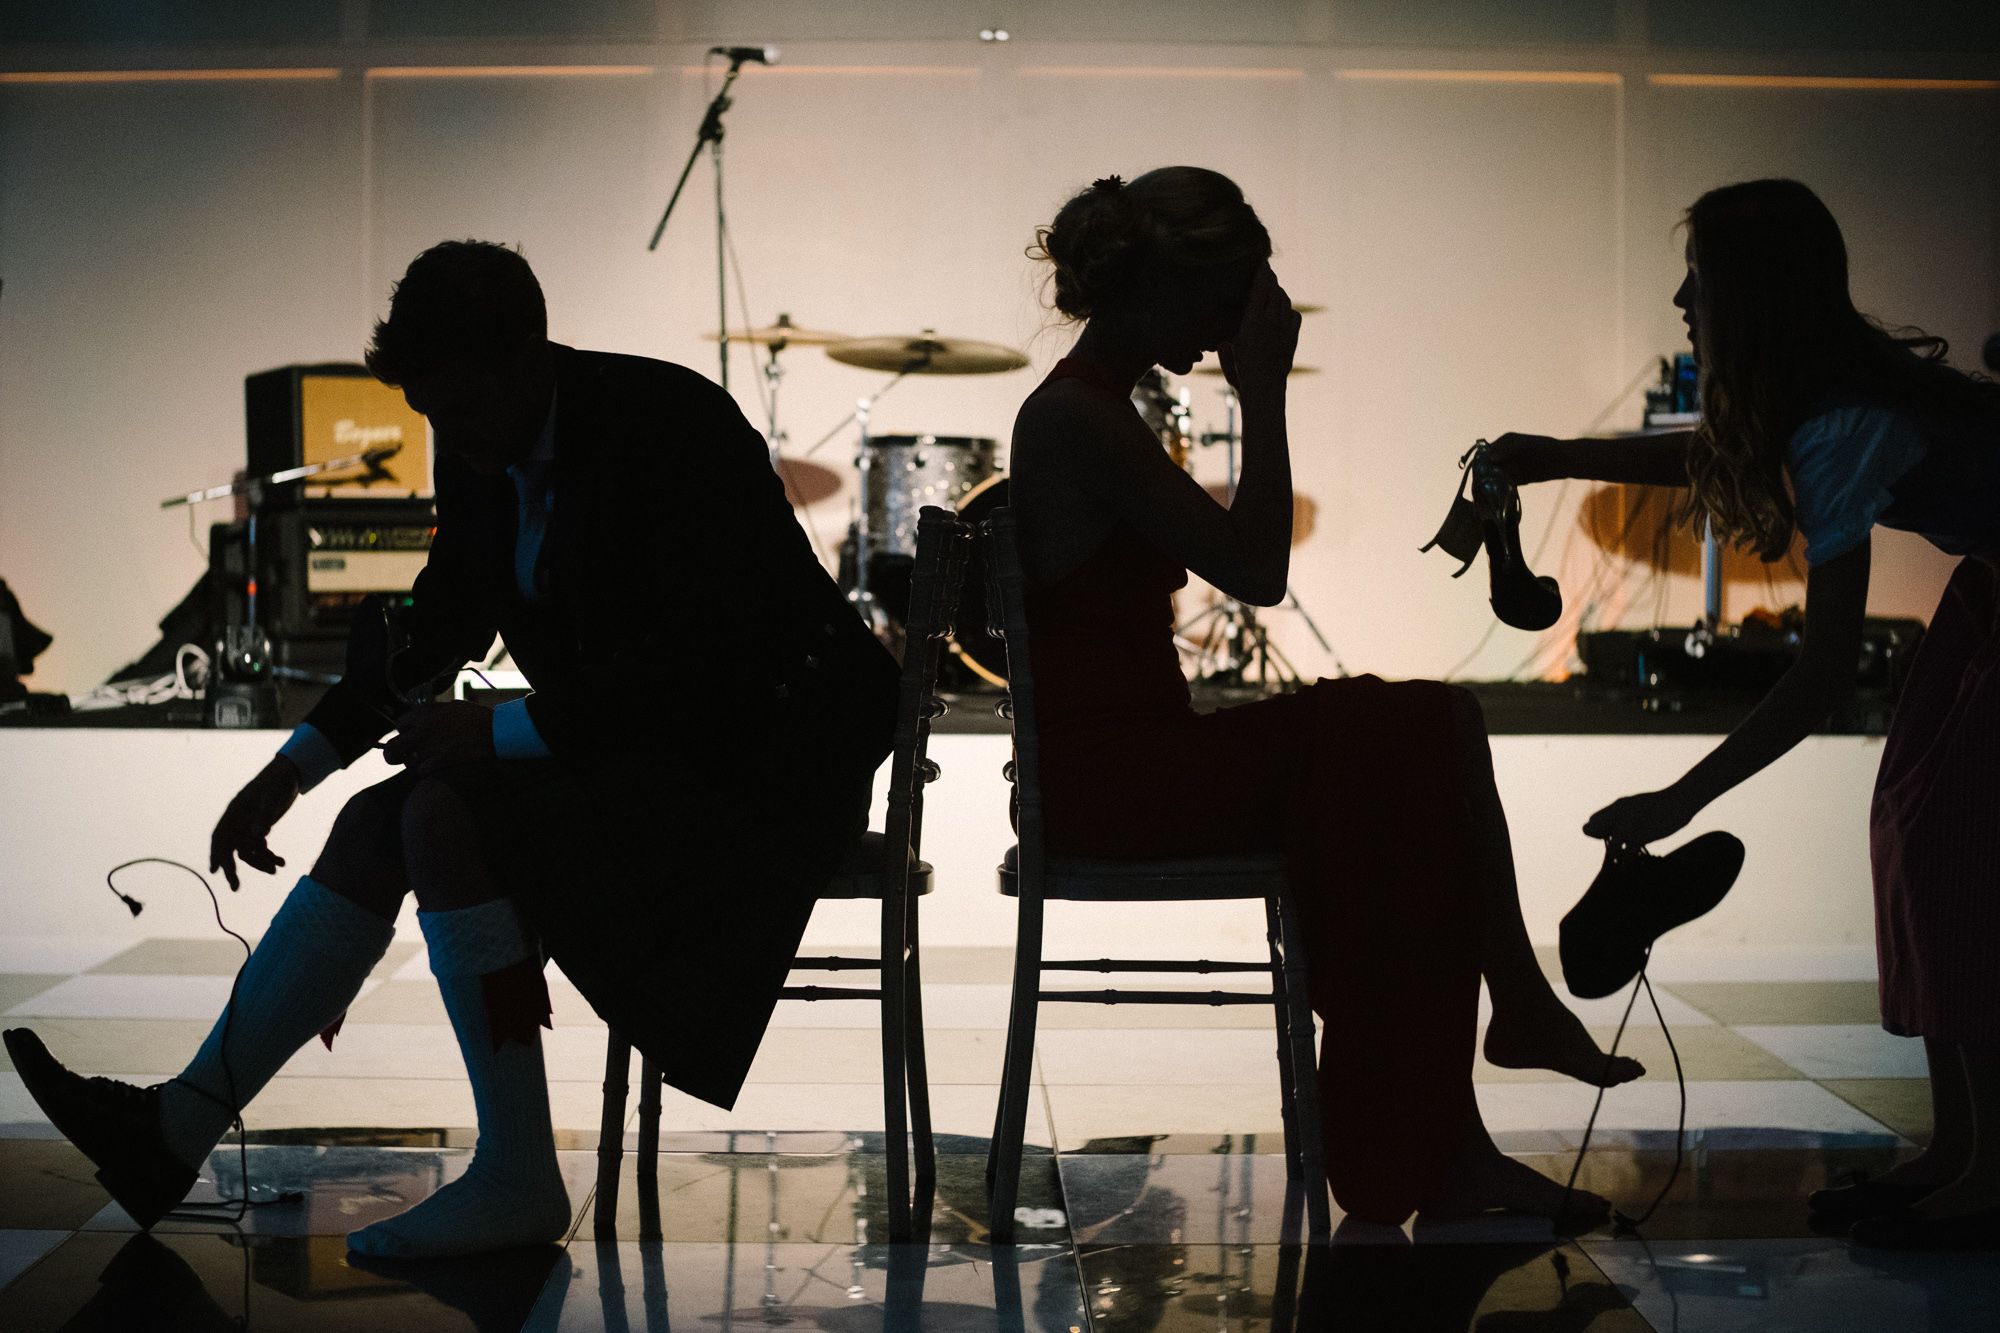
{"x":983,"y":655}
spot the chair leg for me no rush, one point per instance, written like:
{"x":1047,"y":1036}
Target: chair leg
{"x":611,"y":1134}
{"x":894,"y":978}
{"x":1306,"y":1077}
{"x":1285,"y":1293}
{"x":1003,"y":1167}
{"x":649,"y":1149}
{"x":925,"y":1192}
{"x":1288,"y":1074}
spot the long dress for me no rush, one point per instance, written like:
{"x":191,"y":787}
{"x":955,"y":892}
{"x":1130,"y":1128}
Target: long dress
{"x":1934,"y":822}
{"x":1935,"y":826}
{"x":1353,"y":779}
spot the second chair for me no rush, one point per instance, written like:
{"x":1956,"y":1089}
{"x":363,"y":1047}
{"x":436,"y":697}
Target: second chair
{"x":1031,"y":875}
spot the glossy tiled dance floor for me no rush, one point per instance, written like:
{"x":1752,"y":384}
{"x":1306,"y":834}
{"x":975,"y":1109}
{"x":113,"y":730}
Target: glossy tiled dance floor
{"x":1153,"y":1198}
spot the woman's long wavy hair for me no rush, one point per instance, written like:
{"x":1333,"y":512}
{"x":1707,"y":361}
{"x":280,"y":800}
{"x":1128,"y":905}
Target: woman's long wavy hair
{"x":1777,"y":339}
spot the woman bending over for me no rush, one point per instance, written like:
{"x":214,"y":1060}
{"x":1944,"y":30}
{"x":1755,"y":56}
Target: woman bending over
{"x":1816,"y":421}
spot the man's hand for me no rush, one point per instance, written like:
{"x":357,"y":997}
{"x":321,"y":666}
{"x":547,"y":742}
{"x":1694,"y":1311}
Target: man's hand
{"x":249,"y":819}
{"x":436,"y":735}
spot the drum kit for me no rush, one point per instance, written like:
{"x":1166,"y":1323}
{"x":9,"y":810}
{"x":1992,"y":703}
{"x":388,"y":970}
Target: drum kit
{"x":900,"y":474}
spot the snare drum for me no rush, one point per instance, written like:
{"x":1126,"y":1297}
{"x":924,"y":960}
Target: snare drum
{"x":906,"y":472}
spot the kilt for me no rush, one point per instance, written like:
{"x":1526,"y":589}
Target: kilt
{"x":674,"y":898}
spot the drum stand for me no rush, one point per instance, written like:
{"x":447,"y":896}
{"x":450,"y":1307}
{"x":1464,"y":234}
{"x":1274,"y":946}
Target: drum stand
{"x":1228,"y":643}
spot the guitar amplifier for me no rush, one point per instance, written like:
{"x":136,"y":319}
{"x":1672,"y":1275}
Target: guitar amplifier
{"x":296,"y":415}
{"x":328,"y":554}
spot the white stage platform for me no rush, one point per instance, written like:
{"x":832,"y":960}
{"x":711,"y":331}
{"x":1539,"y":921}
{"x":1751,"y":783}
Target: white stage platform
{"x":74,"y":803}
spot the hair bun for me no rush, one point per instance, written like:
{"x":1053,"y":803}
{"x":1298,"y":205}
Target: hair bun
{"x":1114,"y":238}
{"x":1098,"y":245}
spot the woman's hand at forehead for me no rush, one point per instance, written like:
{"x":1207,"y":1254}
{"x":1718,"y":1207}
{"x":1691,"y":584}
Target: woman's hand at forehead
{"x":1259,"y":357}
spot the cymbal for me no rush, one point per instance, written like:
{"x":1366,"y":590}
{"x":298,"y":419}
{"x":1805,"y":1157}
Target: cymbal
{"x":927,"y":354}
{"x":807,"y":482}
{"x":784,"y":331}
{"x":1307,"y":307}
{"x":1295,"y":370}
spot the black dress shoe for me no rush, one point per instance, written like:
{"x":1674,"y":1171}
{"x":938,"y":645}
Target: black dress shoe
{"x":1636,"y":898}
{"x":1848,"y":1204}
{"x":115,"y":1125}
{"x":1906,"y":1230}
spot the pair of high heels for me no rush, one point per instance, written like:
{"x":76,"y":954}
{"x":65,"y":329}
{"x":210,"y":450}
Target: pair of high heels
{"x":1487,"y":512}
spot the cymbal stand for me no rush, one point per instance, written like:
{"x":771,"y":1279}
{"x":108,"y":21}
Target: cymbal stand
{"x":774,"y":380}
{"x":1227,"y":641}
{"x":864,"y":530}
{"x":864,"y":465}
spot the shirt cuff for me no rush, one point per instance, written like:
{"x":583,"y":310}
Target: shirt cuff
{"x":313,"y":754}
{"x":514,"y":733}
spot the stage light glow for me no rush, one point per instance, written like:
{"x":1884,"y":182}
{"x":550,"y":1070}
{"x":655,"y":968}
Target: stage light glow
{"x":166,"y":75}
{"x":1159,"y":72}
{"x":965,"y":71}
{"x":508,"y":71}
{"x":1820,"y":81}
{"x":1585,"y":76}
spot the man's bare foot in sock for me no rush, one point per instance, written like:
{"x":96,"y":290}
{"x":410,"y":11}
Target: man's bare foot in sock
{"x":478,"y":1212}
{"x":1485,"y":1179}
{"x":1549,"y":1036}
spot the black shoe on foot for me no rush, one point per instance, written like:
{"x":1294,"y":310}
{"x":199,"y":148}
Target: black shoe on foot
{"x":1912,"y":1231}
{"x":115,"y":1125}
{"x":1636,"y":898}
{"x":1848,"y":1204}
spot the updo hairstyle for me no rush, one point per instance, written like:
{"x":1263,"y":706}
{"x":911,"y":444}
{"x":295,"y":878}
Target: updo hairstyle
{"x":1116,"y":238}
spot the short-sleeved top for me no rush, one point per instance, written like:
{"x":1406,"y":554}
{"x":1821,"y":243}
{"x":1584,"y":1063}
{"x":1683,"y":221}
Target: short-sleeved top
{"x":1859,"y":464}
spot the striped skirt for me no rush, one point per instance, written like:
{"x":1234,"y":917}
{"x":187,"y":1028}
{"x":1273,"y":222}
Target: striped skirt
{"x":1934,"y":830}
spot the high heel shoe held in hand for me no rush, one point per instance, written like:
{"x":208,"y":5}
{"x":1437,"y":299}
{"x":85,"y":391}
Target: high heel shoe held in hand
{"x":1487,"y":512}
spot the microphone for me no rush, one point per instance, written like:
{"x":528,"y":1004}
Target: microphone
{"x":741,"y":55}
{"x":373,"y":460}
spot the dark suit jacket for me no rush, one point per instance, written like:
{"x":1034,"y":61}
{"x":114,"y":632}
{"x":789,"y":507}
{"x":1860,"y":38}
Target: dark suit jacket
{"x":715,"y":708}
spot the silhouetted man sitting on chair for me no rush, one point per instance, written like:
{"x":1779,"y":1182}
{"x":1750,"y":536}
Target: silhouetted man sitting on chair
{"x":658,"y":816}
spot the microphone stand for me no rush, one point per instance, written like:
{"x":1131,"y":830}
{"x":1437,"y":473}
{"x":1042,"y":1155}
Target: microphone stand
{"x":710,"y":136}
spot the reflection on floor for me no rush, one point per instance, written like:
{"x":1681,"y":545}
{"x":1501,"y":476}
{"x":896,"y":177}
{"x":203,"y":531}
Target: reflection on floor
{"x":1155,"y":1197}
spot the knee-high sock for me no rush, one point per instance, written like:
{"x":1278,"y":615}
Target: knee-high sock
{"x":513,"y":1192}
{"x":301,"y":976}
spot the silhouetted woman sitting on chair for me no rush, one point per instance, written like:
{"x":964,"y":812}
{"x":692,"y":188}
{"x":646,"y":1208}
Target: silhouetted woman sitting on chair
{"x":1381,"y":795}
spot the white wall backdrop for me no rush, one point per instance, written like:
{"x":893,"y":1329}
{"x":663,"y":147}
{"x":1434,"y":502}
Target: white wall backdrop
{"x":1490,"y":225}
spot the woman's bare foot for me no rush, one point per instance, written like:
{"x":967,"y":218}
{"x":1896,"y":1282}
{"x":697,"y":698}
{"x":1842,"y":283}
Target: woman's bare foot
{"x":1550,"y":1037}
{"x":1927,"y":1170}
{"x":1968,"y":1195}
{"x":1488,"y":1179}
